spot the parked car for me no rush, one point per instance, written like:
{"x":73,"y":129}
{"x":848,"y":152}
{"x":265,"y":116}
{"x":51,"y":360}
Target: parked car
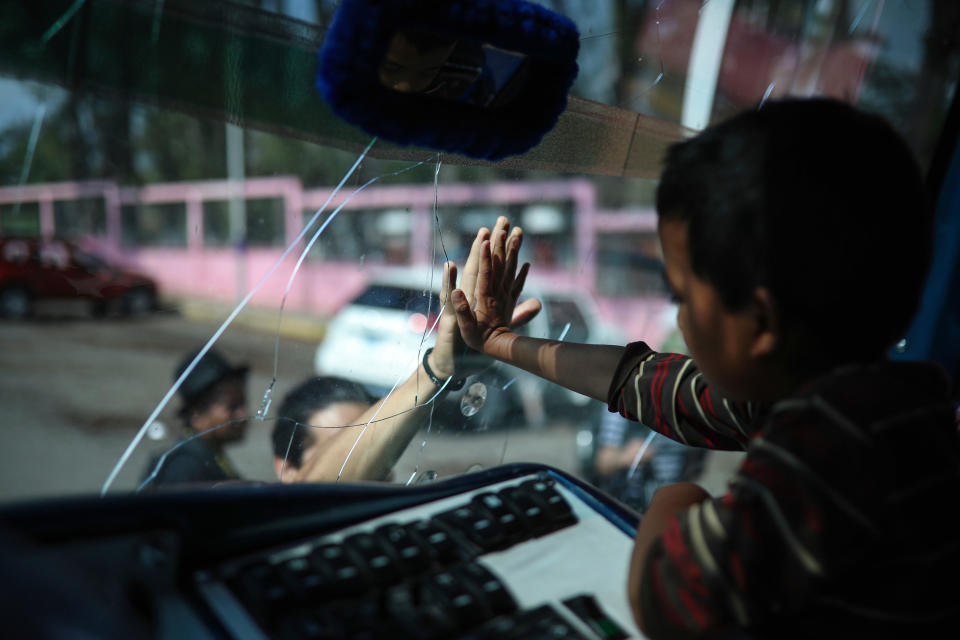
{"x":375,"y":340}
{"x":34,"y":269}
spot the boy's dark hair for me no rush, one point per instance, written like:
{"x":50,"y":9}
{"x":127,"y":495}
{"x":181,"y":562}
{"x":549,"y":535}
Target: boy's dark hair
{"x":206,"y":382}
{"x":203,"y":400}
{"x":300,"y":403}
{"x":820,"y":203}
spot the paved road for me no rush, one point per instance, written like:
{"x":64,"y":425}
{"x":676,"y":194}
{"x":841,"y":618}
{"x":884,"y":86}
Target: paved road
{"x":74,"y":391}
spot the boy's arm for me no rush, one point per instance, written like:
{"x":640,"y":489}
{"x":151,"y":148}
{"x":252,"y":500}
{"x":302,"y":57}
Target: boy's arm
{"x":667,"y":392}
{"x":666,"y":504}
{"x":484,"y":304}
{"x":801,"y":509}
{"x":685,"y":409}
{"x":584,"y":368}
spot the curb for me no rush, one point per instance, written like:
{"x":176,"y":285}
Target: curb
{"x":295,"y":325}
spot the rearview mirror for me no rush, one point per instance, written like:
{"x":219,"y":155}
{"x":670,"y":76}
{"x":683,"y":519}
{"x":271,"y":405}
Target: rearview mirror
{"x":452,"y":69}
{"x":464,"y":76}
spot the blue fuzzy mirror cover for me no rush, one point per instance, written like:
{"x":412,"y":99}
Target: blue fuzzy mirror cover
{"x":495,"y":73}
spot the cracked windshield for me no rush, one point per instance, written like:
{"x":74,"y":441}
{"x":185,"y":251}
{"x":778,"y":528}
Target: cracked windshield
{"x":209,"y":277}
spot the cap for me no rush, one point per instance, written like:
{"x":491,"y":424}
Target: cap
{"x":211,"y":369}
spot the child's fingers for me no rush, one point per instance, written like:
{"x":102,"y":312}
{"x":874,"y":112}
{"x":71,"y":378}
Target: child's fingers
{"x":466,"y":320}
{"x":496,"y":249}
{"x":517,"y":287}
{"x":513,"y":253}
{"x":503,"y":224}
{"x":500,"y":244}
{"x":483,"y":271}
{"x":469,"y":281}
{"x":498,"y":257}
{"x":525,"y":312}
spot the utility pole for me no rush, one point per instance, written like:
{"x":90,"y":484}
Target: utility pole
{"x":237,"y":205}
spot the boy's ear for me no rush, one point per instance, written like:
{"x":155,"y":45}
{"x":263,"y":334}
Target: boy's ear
{"x":766,"y":336}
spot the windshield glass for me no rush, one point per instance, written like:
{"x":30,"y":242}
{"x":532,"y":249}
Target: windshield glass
{"x":203,"y":199}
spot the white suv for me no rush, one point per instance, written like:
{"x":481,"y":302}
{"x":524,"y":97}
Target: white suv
{"x":376,"y":340}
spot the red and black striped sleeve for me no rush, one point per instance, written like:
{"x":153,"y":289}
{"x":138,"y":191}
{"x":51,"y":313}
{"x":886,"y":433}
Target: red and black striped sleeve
{"x":667,"y":392}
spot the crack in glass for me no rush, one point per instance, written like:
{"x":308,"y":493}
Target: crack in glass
{"x":62,"y":21}
{"x":436,"y":238}
{"x":263,"y":410}
{"x":306,"y":251}
{"x":216,"y":336}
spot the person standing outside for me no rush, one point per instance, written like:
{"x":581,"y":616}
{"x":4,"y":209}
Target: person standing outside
{"x":214,"y":415}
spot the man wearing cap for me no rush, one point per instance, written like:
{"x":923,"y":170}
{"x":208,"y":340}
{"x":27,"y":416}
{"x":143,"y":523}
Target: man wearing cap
{"x":214,"y":414}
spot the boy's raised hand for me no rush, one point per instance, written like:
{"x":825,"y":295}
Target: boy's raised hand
{"x":486,"y":303}
{"x":448,"y":356}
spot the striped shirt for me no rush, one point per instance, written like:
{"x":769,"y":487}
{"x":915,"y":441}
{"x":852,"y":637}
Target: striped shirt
{"x":841,"y":518}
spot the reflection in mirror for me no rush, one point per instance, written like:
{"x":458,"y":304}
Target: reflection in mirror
{"x":453,"y":69}
{"x":482,"y":79}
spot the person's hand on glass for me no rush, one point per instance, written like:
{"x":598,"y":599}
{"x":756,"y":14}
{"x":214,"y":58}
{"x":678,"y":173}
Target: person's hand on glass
{"x":443,"y":357}
{"x":486,"y":303}
{"x":451,"y":355}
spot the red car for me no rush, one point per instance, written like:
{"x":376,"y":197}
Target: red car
{"x":33,"y":269}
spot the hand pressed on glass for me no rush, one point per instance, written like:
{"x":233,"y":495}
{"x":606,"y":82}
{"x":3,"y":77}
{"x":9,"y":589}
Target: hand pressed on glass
{"x":442,"y":358}
{"x":486,"y":305}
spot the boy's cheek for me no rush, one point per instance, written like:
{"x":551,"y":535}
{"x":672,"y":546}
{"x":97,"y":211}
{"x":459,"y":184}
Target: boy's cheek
{"x":682,"y":323}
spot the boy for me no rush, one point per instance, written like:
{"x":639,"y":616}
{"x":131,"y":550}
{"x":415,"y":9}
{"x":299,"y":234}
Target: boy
{"x":796,"y":241}
{"x":215,"y":408}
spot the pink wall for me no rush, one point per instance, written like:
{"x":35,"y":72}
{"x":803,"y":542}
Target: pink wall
{"x":211,"y":273}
